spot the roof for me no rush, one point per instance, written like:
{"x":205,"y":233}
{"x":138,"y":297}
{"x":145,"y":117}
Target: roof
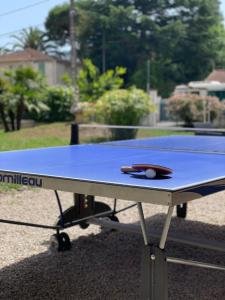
{"x":207,"y":85}
{"x":217,"y":75}
{"x":25,"y":55}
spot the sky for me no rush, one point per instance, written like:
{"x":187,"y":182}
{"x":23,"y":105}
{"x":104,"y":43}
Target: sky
{"x":16,"y":15}
{"x":223,"y":8}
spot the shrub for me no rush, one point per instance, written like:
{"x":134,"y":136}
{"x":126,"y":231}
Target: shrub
{"x":92,"y":84}
{"x":123,"y":107}
{"x":191,"y":108}
{"x":59,"y":101}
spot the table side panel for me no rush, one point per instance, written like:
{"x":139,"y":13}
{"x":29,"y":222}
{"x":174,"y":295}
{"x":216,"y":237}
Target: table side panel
{"x":196,"y":192}
{"x":91,"y":188}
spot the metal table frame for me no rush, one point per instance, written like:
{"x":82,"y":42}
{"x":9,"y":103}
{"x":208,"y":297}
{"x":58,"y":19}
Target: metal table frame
{"x":155,"y":260}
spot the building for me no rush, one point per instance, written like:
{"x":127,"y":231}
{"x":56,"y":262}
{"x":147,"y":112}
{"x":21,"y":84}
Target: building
{"x":52,"y":68}
{"x":202,"y":88}
{"x":216,"y":75}
{"x":213,"y":85}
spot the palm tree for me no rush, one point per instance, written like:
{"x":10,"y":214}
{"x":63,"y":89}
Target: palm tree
{"x":20,"y":90}
{"x":34,"y":38}
{"x":4,"y":50}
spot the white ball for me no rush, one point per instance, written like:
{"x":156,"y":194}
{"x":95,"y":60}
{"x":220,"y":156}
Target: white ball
{"x":150,"y":173}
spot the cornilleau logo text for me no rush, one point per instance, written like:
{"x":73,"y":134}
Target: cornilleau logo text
{"x":19,"y":179}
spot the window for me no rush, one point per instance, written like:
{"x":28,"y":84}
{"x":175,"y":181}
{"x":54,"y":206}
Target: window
{"x":41,"y":68}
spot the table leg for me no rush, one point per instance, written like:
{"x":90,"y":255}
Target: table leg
{"x":147,"y":273}
{"x":154,"y":274}
{"x":161,"y":275}
{"x":154,"y":262}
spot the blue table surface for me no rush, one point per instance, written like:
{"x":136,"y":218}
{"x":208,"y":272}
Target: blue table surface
{"x":101,"y":163}
{"x":179,"y":142}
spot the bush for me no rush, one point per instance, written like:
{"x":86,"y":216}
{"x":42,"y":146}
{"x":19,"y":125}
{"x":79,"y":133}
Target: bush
{"x":92,"y":84}
{"x":191,"y":108}
{"x":123,"y":107}
{"x":59,"y":101}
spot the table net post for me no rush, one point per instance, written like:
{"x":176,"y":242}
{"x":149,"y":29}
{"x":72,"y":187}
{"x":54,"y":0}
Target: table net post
{"x":74,"y":138}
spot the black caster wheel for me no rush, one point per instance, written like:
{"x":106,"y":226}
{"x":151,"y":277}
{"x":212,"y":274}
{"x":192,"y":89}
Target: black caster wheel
{"x":114,"y":218}
{"x":182,"y":210}
{"x":60,"y":242}
{"x":84,"y":225}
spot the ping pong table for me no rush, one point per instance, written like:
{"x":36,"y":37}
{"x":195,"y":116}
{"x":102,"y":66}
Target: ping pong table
{"x":198,"y":164}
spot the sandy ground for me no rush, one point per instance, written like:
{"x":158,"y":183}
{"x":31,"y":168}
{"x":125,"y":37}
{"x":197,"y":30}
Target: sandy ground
{"x":102,"y":264}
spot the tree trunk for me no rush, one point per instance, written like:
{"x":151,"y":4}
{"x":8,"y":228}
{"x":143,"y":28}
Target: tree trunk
{"x":3,"y":117}
{"x":20,"y":110}
{"x":12,"y":119}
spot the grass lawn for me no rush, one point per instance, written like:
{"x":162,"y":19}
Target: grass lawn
{"x":142,"y":133}
{"x":57,"y":134}
{"x":40,"y":136}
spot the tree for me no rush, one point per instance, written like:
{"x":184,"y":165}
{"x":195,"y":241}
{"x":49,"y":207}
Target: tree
{"x":20,"y":91}
{"x":4,"y":87}
{"x":33,"y":38}
{"x":57,"y":24}
{"x":4,"y":50}
{"x":92,"y":27}
{"x":182,"y":38}
{"x":92,"y":85}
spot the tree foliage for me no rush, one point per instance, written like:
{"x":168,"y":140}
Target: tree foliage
{"x":4,"y":50}
{"x":123,"y":107}
{"x":183,"y":39}
{"x":20,"y":91}
{"x":59,"y":100}
{"x":34,"y":38}
{"x":92,"y":85}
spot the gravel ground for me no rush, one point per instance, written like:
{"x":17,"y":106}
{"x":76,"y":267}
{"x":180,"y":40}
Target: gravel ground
{"x":101,"y":264}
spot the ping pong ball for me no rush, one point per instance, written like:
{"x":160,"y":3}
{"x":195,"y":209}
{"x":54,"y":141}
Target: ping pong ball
{"x":150,"y":173}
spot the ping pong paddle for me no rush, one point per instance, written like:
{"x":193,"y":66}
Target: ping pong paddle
{"x":151,"y":171}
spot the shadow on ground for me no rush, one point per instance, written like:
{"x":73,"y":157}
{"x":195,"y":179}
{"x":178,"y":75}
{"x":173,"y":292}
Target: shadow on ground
{"x":107,"y":266}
